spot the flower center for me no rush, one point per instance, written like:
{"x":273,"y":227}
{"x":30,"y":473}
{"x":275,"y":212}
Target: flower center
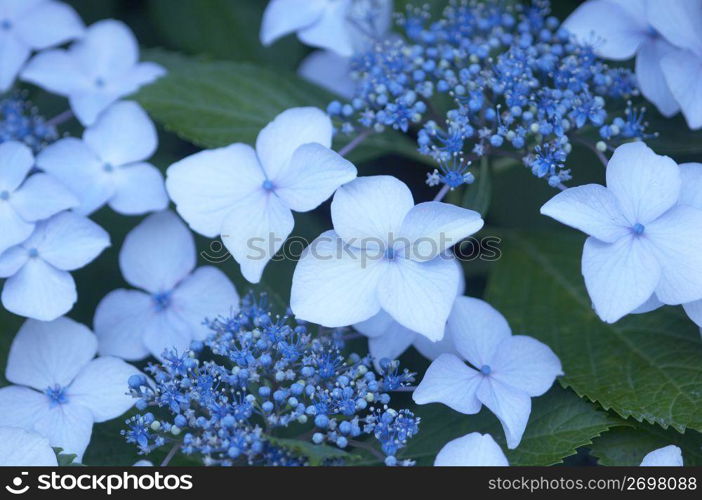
{"x":390,"y":254}
{"x":4,"y":195}
{"x":268,"y":185}
{"x":6,"y":24}
{"x":485,"y":370}
{"x":162,"y":301}
{"x":56,"y":394}
{"x":108,"y":167}
{"x":99,"y":82}
{"x":33,"y":253}
{"x":638,"y":229}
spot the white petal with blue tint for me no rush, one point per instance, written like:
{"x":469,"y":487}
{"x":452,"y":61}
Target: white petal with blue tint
{"x":16,"y":160}
{"x":255,"y":229}
{"x":67,"y":426}
{"x":471,"y":450}
{"x":683,"y":71}
{"x":525,"y":363}
{"x":278,"y":141}
{"x":668,"y":456}
{"x":330,"y":71}
{"x":650,"y":77}
{"x":101,"y":386}
{"x":12,"y":261}
{"x":592,"y":209}
{"x":139,"y":188}
{"x":477,"y":329}
{"x":167,"y":331}
{"x":39,"y":291}
{"x":691,"y":191}
{"x":331,"y":31}
{"x":645,"y":184}
{"x":450,"y":381}
{"x":619,"y":276}
{"x":52,"y":353}
{"x":335,"y":285}
{"x":512,"y":407}
{"x":419,"y":295}
{"x":433,"y":227}
{"x":678,"y":21}
{"x":206,"y":185}
{"x":42,"y":196}
{"x":371,"y":210}
{"x":13,"y":54}
{"x":283,"y":17}
{"x":119,"y":323}
{"x":21,"y":448}
{"x":47,"y":24}
{"x":158,"y":253}
{"x":68,"y":241}
{"x":312,"y":176}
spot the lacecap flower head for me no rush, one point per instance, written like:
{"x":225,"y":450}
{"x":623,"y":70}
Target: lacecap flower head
{"x":384,"y":253}
{"x":247,"y":196}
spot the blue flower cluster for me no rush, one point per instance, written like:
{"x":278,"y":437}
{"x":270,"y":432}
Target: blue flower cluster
{"x":490,"y":78}
{"x":19,"y":121}
{"x":258,"y":379}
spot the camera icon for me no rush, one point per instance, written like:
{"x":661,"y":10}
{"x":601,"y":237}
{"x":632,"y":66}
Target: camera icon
{"x":16,"y":488}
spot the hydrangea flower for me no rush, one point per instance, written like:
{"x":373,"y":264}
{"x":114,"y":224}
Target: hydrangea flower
{"x":384,"y":253}
{"x":248,"y":196}
{"x":388,"y":339}
{"x":95,"y":71}
{"x":21,"y":448}
{"x":29,"y":25}
{"x":159,"y":257}
{"x":640,"y":241}
{"x":507,"y":371}
{"x":367,"y":21}
{"x":108,"y":165}
{"x":25,"y":199}
{"x":241,"y":396}
{"x":38,"y":283}
{"x":665,"y":38}
{"x":471,"y":450}
{"x":668,"y":456}
{"x":61,"y":390}
{"x":319,"y":23}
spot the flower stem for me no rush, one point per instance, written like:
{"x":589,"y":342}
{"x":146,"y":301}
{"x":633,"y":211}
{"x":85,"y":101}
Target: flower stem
{"x":171,"y":454}
{"x":60,"y":118}
{"x":354,"y":143}
{"x":442,"y":193}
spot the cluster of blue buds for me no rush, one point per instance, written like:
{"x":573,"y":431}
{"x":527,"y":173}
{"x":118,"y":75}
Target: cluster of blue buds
{"x":238,"y":397}
{"x":490,"y":78}
{"x":19,"y":121}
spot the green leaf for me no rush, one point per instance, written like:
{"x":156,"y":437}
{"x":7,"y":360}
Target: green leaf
{"x":214,"y":104}
{"x":478,"y":195}
{"x":65,"y":459}
{"x":644,"y":366}
{"x":559,"y":423}
{"x":317,"y":454}
{"x":628,"y":445}
{"x":222,"y":29}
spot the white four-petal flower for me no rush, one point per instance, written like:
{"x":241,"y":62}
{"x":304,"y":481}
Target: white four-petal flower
{"x":159,"y":257}
{"x":247,"y":196}
{"x":641,"y":241}
{"x":508,"y":370}
{"x":21,"y":448}
{"x":95,"y":71}
{"x":26,"y":200}
{"x":27,"y":25}
{"x":668,"y":456}
{"x":666,"y":39}
{"x":39,"y":284}
{"x":471,"y":450}
{"x":61,"y":390}
{"x":384,"y":253}
{"x":108,"y":165}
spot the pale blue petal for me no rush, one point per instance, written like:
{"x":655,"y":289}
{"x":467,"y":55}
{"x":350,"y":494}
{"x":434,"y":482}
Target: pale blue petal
{"x":335,"y":285}
{"x":21,"y":448}
{"x":12,"y":261}
{"x":158,"y":253}
{"x":510,"y":405}
{"x":526,"y":364}
{"x":683,"y":72}
{"x":620,"y":276}
{"x":650,"y":77}
{"x":48,"y":24}
{"x":332,"y":30}
{"x":668,"y":456}
{"x":139,"y":188}
{"x":16,"y":160}
{"x":45,"y":354}
{"x":694,"y":311}
{"x":691,"y":191}
{"x":678,"y":21}
{"x":119,"y":324}
{"x":13,"y":54}
{"x":330,"y":71}
{"x":592,"y":209}
{"x":283,"y":17}
{"x":312,"y":176}
{"x":645,"y":184}
{"x":471,"y":450}
{"x":68,"y":426}
{"x":42,"y":196}
{"x":450,"y":381}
